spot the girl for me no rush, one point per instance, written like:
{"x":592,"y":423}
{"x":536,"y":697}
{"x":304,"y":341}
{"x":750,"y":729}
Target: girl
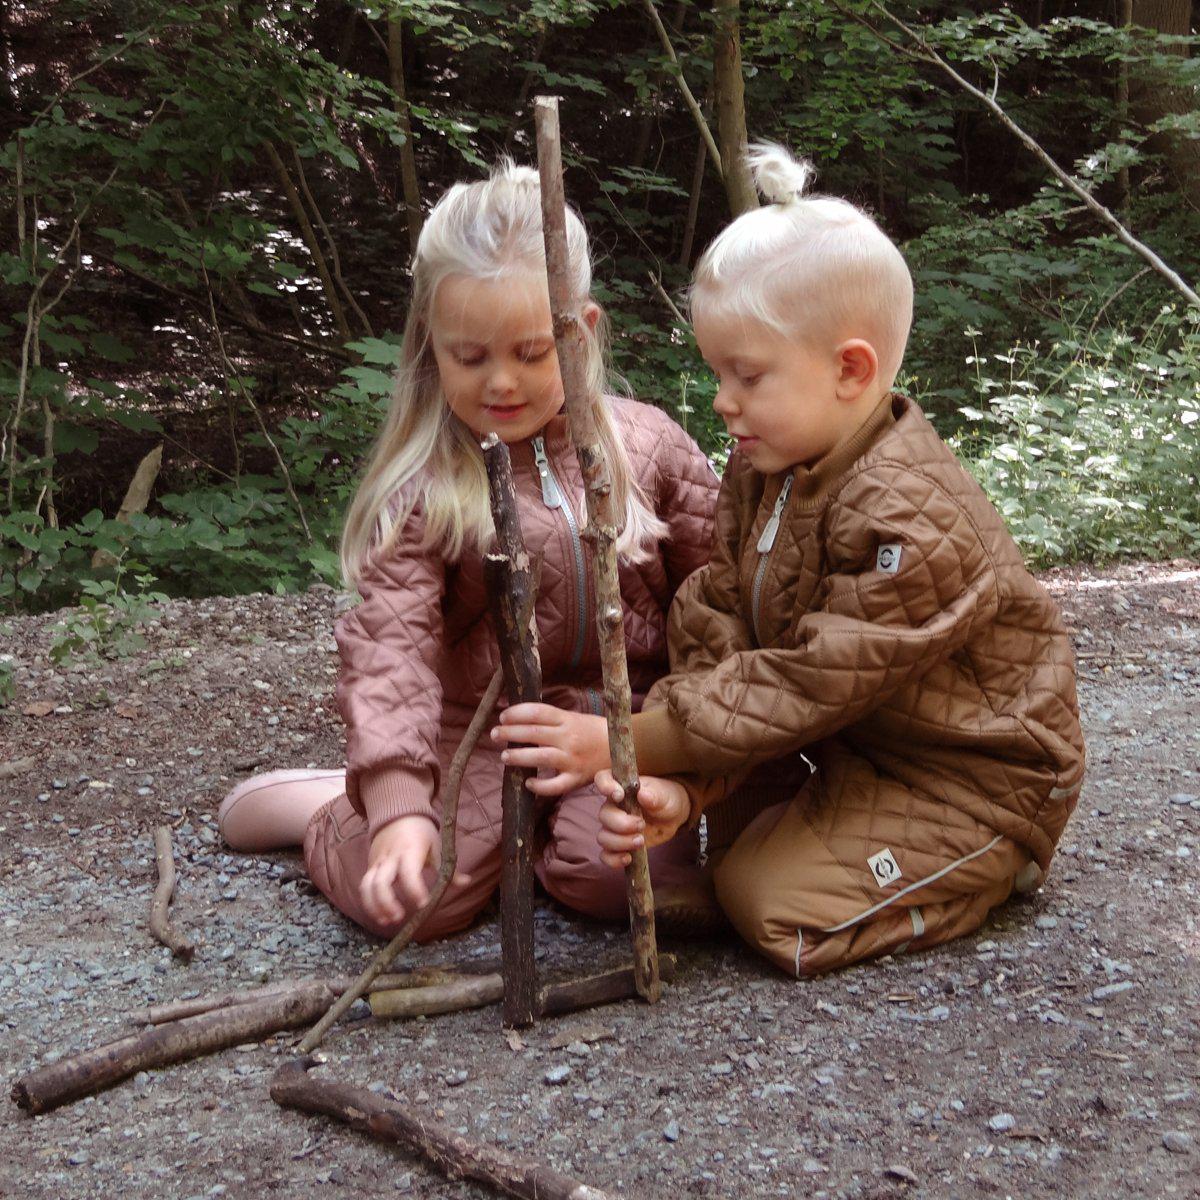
{"x":478,"y":356}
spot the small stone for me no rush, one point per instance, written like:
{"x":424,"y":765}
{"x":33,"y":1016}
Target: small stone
{"x":1047,"y":922}
{"x":1177,"y":1141}
{"x":457,"y":1078}
{"x":1002,"y":1122}
{"x":1111,"y":989}
{"x":558,"y":1074}
{"x":671,"y":1132}
{"x":722,"y":1068}
{"x":812,"y":1167}
{"x":1182,"y":798}
{"x":81,"y":1156}
{"x":899,"y":1171}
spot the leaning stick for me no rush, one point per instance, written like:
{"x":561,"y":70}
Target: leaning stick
{"x":603,"y":523}
{"x":383,"y":959}
{"x":512,"y":594}
{"x":453,"y":1154}
{"x":161,"y":1045}
{"x":160,"y":922}
{"x":176,"y":1010}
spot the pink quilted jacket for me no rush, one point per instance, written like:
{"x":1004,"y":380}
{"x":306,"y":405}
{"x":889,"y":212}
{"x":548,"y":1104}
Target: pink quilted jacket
{"x":419,"y":650}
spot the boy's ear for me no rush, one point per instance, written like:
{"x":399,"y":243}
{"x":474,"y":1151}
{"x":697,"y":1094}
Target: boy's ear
{"x":591,"y":315}
{"x":858,"y":368}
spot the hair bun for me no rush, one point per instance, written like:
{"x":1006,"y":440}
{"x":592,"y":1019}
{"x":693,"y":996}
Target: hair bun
{"x":778,"y":174}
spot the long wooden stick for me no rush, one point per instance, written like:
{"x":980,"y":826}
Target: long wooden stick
{"x":512,"y":595}
{"x":603,"y":522}
{"x":100,"y":1067}
{"x":450,"y":789}
{"x":160,"y":922}
{"x":453,"y":1154}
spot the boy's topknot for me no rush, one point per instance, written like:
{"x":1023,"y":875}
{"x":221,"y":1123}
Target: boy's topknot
{"x":779,"y":176}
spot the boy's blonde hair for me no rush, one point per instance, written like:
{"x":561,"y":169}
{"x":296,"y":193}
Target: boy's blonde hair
{"x":812,"y":267}
{"x":486,"y":230}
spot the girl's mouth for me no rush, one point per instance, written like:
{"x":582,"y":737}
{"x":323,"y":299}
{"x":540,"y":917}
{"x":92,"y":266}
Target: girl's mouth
{"x":506,"y":412}
{"x":745,"y":443}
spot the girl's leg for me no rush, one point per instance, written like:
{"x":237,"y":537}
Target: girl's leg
{"x":272,"y":812}
{"x":571,"y":871}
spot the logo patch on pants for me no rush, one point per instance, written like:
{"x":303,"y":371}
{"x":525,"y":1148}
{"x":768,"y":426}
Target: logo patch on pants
{"x":883,"y":867}
{"x":887,"y":558}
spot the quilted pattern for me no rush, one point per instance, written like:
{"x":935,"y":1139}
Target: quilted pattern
{"x":952,"y":673}
{"x":419,"y":650}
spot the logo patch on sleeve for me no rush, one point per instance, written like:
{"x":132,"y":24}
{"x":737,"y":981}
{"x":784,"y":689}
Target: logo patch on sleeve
{"x":887,"y":558}
{"x":883,"y":867}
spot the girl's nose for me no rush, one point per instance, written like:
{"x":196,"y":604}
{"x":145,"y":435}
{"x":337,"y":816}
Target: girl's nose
{"x":501,"y":382}
{"x":723,"y":406}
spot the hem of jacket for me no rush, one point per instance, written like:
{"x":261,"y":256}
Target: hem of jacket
{"x":396,"y":791}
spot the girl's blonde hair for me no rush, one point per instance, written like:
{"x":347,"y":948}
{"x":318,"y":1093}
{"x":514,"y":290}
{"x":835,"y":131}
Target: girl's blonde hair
{"x":817,"y":268}
{"x":485,"y":230}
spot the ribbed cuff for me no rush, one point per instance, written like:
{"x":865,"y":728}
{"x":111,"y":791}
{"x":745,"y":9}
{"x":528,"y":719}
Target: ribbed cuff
{"x":396,"y":791}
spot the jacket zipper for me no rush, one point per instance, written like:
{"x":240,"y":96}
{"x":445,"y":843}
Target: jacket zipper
{"x":766,"y":543}
{"x":553,"y":496}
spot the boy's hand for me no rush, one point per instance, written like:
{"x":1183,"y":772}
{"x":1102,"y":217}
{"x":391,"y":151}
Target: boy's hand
{"x":573,"y":745}
{"x":665,"y":806}
{"x":399,"y":854}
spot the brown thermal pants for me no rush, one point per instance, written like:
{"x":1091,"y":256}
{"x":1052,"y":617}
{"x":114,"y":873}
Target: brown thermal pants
{"x":797,"y":886}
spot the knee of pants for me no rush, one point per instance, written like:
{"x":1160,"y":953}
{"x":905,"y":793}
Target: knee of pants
{"x":585,"y":885}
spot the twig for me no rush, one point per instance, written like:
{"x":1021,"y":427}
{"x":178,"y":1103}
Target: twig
{"x":176,"y":1010}
{"x":93,"y":1070}
{"x":928,"y":54}
{"x":450,"y":789}
{"x":453,"y":1154}
{"x":688,"y":98}
{"x":160,"y":924}
{"x":459,"y":994}
{"x":609,"y":986}
{"x":666,"y":299}
{"x":602,"y":524}
{"x":512,"y":588}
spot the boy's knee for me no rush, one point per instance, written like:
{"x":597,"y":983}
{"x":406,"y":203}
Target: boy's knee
{"x":751,"y":899}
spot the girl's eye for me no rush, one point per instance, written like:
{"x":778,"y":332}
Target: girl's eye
{"x":533,"y":356}
{"x":749,"y":380}
{"x":471,"y":360}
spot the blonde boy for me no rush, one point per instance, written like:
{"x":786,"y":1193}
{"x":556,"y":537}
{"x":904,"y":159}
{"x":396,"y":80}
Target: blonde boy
{"x":863,"y":605}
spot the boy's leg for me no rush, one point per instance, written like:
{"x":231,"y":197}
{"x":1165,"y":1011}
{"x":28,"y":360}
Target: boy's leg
{"x":571,"y":871}
{"x":799,"y":887}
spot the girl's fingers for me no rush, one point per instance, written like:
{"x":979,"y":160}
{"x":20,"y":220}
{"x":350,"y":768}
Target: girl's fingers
{"x":412,"y":882}
{"x":556,"y":785}
{"x":530,"y":714}
{"x":618,"y":862}
{"x":619,"y":842}
{"x":535,"y":735}
{"x":378,"y":894}
{"x":532,"y":756}
{"x":617,"y":820}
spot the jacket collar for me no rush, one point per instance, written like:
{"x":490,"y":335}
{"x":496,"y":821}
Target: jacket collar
{"x":811,"y":483}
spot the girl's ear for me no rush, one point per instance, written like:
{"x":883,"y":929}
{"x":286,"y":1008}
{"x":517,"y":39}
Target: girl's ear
{"x":858,"y":368}
{"x":591,"y":315}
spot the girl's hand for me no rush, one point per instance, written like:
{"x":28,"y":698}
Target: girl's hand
{"x":399,"y":854}
{"x":665,"y":806}
{"x":573,"y":745}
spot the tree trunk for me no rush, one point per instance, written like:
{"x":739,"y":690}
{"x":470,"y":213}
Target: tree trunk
{"x":408,"y":158}
{"x":731,"y":108}
{"x":1152,"y":98}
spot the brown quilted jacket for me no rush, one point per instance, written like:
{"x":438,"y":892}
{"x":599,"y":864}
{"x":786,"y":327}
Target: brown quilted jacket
{"x":419,"y":651}
{"x":878,"y":600}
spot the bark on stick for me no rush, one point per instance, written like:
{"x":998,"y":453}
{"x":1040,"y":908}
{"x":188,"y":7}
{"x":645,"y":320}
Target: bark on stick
{"x":454,"y":1155}
{"x":450,"y":789}
{"x":160,"y":922}
{"x":473,"y":992}
{"x":512,"y":593}
{"x":93,"y":1070}
{"x":603,"y":524}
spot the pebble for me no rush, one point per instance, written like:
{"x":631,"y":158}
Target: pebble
{"x":671,"y":1132}
{"x":1111,"y":989}
{"x":1002,"y":1122}
{"x":1184,"y":798}
{"x":899,"y":1171}
{"x":1177,"y":1141}
{"x":457,"y":1078}
{"x":1047,"y":922}
{"x":558,"y":1074}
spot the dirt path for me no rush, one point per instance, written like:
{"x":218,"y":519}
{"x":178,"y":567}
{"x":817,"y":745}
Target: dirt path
{"x":1055,"y":1053}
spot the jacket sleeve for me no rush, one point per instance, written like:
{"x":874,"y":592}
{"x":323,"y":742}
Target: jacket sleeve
{"x":388,"y":692}
{"x":909,"y":579}
{"x":686,"y":496}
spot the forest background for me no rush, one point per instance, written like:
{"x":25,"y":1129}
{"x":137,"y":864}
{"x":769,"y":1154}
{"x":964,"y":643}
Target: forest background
{"x":208,"y":211}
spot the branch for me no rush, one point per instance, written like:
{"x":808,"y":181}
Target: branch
{"x":928,"y":54}
{"x":383,"y":959}
{"x":688,"y":98}
{"x":160,"y":924}
{"x":603,"y":523}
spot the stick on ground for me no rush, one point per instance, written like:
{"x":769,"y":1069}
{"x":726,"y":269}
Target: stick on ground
{"x":603,"y":524}
{"x":453,"y":1154}
{"x":160,"y":923}
{"x":450,"y":789}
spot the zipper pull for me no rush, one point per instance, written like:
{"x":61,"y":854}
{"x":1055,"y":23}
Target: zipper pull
{"x":551,"y":497}
{"x":771,"y":529}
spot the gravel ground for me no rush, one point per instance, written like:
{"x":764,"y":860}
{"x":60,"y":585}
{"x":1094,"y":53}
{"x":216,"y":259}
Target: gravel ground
{"x":1054,"y":1053}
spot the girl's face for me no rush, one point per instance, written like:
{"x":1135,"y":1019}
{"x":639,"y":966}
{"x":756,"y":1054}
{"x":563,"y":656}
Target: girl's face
{"x":494,"y":345}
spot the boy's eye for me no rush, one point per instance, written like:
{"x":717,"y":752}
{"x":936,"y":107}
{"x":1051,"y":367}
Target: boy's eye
{"x":749,"y":380}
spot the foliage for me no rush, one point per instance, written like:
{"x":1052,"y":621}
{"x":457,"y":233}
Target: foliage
{"x":107,"y":620}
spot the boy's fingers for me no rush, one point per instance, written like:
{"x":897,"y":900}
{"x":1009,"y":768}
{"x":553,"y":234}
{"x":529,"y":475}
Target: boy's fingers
{"x":618,"y":842}
{"x":617,"y":820}
{"x":556,"y":785}
{"x":531,"y":756}
{"x":537,"y":735}
{"x":529,"y":714}
{"x":618,"y":862}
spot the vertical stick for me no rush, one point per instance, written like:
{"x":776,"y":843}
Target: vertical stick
{"x":512,"y":592}
{"x":603,"y":521}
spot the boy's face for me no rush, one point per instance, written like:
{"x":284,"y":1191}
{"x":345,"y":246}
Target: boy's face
{"x":783,"y":401}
